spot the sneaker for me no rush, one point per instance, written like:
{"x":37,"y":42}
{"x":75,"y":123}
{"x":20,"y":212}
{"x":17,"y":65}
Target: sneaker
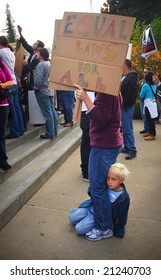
{"x":91,"y":231}
{"x":97,"y":234}
{"x":130,"y":155}
{"x":124,"y":150}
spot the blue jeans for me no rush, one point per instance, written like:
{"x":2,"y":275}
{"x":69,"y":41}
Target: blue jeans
{"x":4,"y":110}
{"x":100,"y":161}
{"x":83,"y":219}
{"x":47,"y":108}
{"x":127,"y":128}
{"x":16,"y":123}
{"x":85,"y":147}
{"x":67,"y":101}
{"x":146,"y":127}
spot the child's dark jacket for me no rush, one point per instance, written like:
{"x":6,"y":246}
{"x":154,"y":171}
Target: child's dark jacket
{"x":119,"y":211}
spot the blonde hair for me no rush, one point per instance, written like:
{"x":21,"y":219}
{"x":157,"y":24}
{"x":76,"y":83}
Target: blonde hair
{"x":119,"y":170}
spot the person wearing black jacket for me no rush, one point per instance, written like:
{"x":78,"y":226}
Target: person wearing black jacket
{"x":129,"y":94}
{"x":32,"y":60}
{"x":27,"y":80}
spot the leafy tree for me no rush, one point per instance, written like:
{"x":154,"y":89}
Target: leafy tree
{"x":156,"y":27}
{"x":143,"y":10}
{"x":10,"y":28}
{"x":137,"y":33}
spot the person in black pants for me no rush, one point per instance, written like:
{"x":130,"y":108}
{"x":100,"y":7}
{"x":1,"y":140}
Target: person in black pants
{"x":85,"y":146}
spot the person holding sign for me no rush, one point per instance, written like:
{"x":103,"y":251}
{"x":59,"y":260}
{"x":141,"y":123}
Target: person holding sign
{"x":106,"y":143}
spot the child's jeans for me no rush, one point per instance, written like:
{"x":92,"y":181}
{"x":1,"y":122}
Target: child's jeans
{"x":83,"y":219}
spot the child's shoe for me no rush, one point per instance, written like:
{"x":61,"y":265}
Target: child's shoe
{"x":97,"y":234}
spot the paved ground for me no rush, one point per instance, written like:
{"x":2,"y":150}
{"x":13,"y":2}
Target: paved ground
{"x":41,"y":229}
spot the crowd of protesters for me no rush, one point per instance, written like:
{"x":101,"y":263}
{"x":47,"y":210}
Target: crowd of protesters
{"x":106,"y":115}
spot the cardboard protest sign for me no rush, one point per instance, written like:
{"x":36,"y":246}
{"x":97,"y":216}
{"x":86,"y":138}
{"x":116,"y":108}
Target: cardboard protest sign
{"x":90,"y":50}
{"x":57,"y":26}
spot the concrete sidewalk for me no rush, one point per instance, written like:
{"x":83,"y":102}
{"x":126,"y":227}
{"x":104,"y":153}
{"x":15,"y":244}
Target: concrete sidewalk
{"x":41,"y":229}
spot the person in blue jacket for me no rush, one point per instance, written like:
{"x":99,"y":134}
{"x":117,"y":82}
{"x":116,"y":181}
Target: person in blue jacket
{"x":83,"y":218}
